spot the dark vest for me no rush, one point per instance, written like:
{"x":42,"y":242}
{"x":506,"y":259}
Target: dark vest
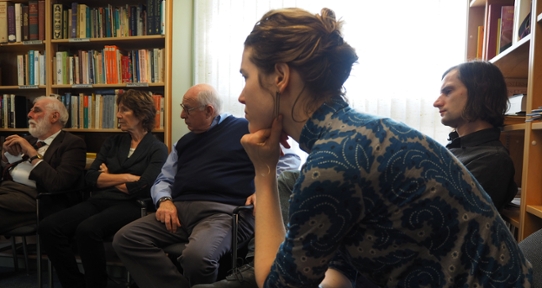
{"x":213,"y":166}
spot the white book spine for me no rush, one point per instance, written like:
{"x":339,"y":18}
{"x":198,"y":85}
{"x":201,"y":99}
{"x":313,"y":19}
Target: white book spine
{"x":42,"y":68}
{"x":18,"y":22}
{"x":36,"y":68}
{"x":20,"y":70}
{"x":59,"y":68}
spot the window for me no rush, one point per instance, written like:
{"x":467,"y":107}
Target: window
{"x":403,"y":48}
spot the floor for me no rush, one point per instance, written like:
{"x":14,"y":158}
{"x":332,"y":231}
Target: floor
{"x":20,"y":279}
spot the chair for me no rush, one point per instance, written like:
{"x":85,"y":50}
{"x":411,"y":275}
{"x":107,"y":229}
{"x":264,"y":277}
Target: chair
{"x":532,"y":249}
{"x":32,"y":230}
{"x":174,"y":251}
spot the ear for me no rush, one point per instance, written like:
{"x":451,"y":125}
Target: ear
{"x":55,"y":116}
{"x":209,"y":111}
{"x":282,"y":76}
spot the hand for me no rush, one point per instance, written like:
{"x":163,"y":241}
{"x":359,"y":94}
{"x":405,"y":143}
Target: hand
{"x":167,"y":214}
{"x":251,"y":200}
{"x":16,"y":145}
{"x":104,"y":169}
{"x":263,"y":147}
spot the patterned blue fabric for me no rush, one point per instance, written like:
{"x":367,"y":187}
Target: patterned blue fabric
{"x":397,"y":206}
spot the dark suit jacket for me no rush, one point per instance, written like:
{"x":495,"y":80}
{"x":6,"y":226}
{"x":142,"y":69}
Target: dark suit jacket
{"x":62,"y":168}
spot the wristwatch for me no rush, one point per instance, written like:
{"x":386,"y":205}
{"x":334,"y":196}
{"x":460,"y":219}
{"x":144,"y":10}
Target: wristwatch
{"x":165,"y":198}
{"x":37,"y":156}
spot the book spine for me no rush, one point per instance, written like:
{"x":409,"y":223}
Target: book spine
{"x":11,"y":22}
{"x":25,"y":32}
{"x":36,"y":67}
{"x":74,"y":20}
{"x":41,"y":19}
{"x":4,"y":22}
{"x":42,"y":68}
{"x":157,"y":17}
{"x":59,"y":68}
{"x":20,"y":70}
{"x":33,"y":30}
{"x":150,"y":17}
{"x":57,"y":21}
{"x":65,"y":24}
{"x":31,"y":67}
{"x":18,"y":22}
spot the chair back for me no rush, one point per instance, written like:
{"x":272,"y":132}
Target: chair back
{"x":532,"y":249}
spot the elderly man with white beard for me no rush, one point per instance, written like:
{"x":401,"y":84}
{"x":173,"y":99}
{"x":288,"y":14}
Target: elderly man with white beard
{"x":47,"y":161}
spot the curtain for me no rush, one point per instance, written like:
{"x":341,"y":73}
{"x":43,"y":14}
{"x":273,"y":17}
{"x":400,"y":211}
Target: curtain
{"x":404,"y":47}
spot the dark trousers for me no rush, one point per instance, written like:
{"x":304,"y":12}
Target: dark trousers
{"x":205,"y":227}
{"x":17,"y":205}
{"x":90,"y":222}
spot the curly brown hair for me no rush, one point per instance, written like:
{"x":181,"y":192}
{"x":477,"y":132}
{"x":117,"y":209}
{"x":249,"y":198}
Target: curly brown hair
{"x":141,"y":102}
{"x":311,"y":44}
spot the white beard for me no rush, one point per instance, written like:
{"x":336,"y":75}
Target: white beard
{"x":38,"y":128}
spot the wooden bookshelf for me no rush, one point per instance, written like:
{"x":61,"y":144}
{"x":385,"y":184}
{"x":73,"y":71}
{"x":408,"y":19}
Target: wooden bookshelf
{"x":50,"y":46}
{"x":524,"y":140}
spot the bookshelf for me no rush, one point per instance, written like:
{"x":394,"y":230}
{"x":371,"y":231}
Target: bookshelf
{"x":524,"y":140}
{"x":142,"y":49}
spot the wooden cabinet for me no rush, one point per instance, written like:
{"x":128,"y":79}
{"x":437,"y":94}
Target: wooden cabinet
{"x":125,"y":41}
{"x":524,"y":140}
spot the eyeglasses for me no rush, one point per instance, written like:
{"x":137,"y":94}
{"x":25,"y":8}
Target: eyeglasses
{"x":187,"y":110}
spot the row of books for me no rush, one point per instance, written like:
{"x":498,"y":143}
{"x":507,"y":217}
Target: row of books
{"x":31,"y":68}
{"x":98,"y":110}
{"x":14,"y":111}
{"x":504,"y":25}
{"x":536,"y":114}
{"x":110,"y":65}
{"x":81,"y":21}
{"x":22,"y":22}
{"x":87,"y":111}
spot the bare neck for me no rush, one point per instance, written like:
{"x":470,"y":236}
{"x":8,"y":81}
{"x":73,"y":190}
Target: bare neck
{"x":472,"y":127}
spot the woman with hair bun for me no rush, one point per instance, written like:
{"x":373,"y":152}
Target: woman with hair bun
{"x":375,"y":197}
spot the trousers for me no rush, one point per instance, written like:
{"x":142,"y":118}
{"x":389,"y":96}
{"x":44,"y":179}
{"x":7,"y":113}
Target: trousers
{"x":206,"y":230}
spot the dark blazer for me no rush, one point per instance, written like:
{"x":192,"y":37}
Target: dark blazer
{"x":146,"y":161}
{"x":62,"y":168}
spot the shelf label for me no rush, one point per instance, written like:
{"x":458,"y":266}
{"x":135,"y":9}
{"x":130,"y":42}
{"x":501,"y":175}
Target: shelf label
{"x":137,"y":84}
{"x":82,"y":86}
{"x":28,"y":87}
{"x":79,"y":40}
{"x":33,"y":42}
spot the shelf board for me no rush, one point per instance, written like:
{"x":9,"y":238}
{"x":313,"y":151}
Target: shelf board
{"x":109,"y":39}
{"x":539,"y":18}
{"x":514,"y":61}
{"x":536,"y":210}
{"x":514,"y":127}
{"x":537,"y":125}
{"x":119,"y":85}
{"x":510,"y":214}
{"x":15,"y":87}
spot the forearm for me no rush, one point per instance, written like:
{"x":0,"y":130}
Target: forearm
{"x":269,"y":225}
{"x":108,"y":180}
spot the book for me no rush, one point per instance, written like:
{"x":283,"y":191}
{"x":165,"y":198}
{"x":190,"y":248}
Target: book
{"x":18,"y":22}
{"x":163,"y":17}
{"x":507,"y":26}
{"x":11,"y":22}
{"x":57,"y":21}
{"x":41,"y":19}
{"x":150,"y":17}
{"x":82,"y":21}
{"x":522,"y":10}
{"x":33,"y":30}
{"x":74,"y":20}
{"x":490,"y":43}
{"x":20,"y":70}
{"x":3,"y":22}
{"x":24,"y":29}
{"x":525,"y":27}
{"x":65,"y":21}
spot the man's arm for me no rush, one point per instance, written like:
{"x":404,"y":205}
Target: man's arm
{"x":167,"y":211}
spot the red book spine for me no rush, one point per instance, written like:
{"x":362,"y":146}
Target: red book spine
{"x":41,"y":20}
{"x":33,"y":20}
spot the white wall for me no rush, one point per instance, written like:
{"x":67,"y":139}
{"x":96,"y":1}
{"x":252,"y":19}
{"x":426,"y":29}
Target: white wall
{"x":182,"y":72}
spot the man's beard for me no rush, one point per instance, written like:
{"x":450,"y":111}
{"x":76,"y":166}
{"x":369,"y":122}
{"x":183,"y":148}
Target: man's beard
{"x":39,"y":128}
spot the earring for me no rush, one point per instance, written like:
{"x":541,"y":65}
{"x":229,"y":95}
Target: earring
{"x":277,"y":104}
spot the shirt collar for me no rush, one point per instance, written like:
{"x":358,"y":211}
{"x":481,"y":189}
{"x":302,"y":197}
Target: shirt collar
{"x":50,"y":139}
{"x":473,"y":139}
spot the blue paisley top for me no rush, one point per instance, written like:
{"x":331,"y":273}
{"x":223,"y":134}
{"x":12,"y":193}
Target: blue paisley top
{"x":378,"y":197}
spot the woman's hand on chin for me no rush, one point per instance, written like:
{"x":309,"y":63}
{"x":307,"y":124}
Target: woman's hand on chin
{"x":263,"y":147}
